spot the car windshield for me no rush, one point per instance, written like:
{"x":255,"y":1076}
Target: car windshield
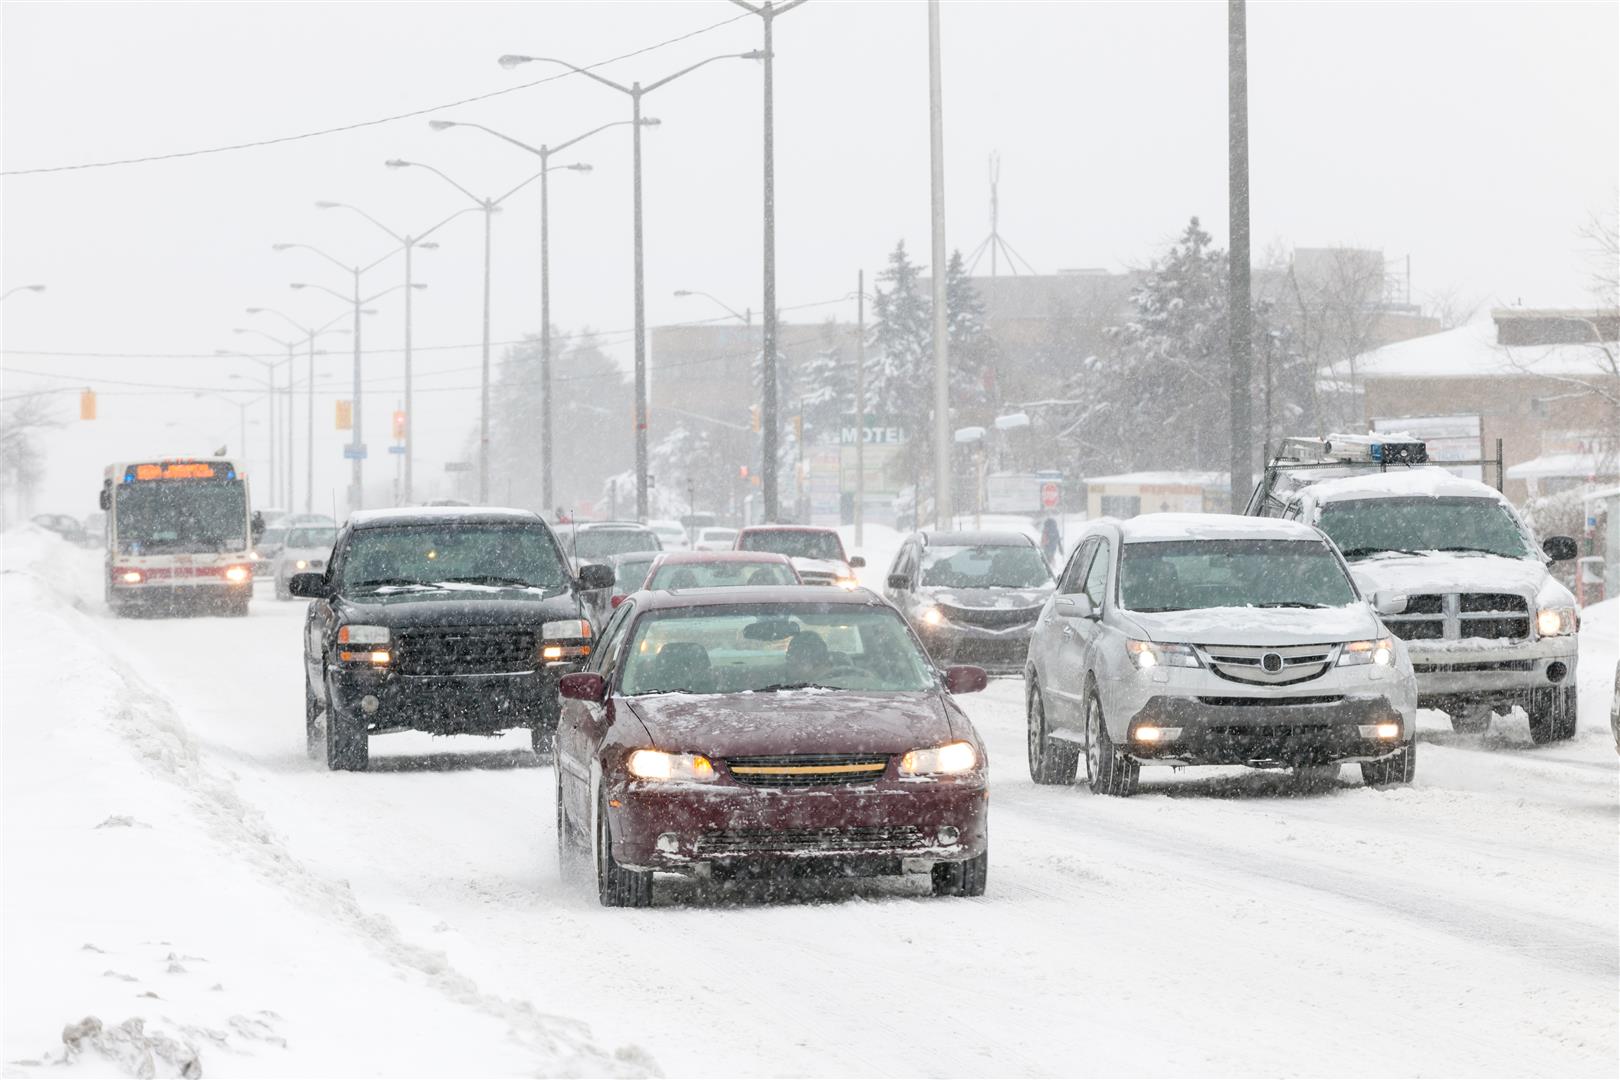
{"x":312,"y":536}
{"x":628,"y":574}
{"x":764,"y":648}
{"x":599,"y":543}
{"x":467,"y":552}
{"x":1180,"y":575}
{"x":711,"y":575}
{"x":1366,"y":527}
{"x":795,"y":543}
{"x":182,"y":515}
{"x":990,"y":566}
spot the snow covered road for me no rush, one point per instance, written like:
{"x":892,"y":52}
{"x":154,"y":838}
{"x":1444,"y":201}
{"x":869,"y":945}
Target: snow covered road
{"x":412,"y":919}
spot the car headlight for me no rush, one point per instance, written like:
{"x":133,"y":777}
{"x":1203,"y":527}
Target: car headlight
{"x":657,"y":765}
{"x":1152,"y":654}
{"x":933,"y":616}
{"x":361,"y":634}
{"x":947,"y":760}
{"x":848,"y":583}
{"x":566,"y":639}
{"x":237,"y":574}
{"x":1556,"y":622}
{"x":302,"y":564}
{"x":1380,"y":651}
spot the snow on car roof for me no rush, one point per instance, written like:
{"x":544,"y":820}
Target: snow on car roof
{"x":765,"y":596}
{"x":1149,"y":528}
{"x":406,"y":515}
{"x":1428,"y":480}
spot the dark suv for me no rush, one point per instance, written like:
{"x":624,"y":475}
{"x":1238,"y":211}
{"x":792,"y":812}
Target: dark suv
{"x":447,"y":620}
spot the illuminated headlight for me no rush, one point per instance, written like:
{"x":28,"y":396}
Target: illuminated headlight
{"x":932,"y":616}
{"x":237,"y":574}
{"x":657,"y":765}
{"x":302,"y":564}
{"x":1385,"y":730}
{"x":380,"y":657}
{"x":565,"y":639}
{"x":1152,"y":733}
{"x":848,"y":583}
{"x":1556,"y":622}
{"x":1152,"y":654}
{"x":132,"y":577}
{"x":360,"y":634}
{"x":1380,"y":651}
{"x":952,"y":758}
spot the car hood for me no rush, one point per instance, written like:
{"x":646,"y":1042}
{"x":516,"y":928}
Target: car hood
{"x":794,"y":722}
{"x":988,"y":598}
{"x":1257,"y":626}
{"x":820,"y":566}
{"x":460,"y":605}
{"x":1448,"y":572}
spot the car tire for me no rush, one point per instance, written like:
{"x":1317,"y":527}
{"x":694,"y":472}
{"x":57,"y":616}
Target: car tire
{"x":1108,"y":772}
{"x":312,"y":727}
{"x":348,"y":747}
{"x":965,"y":878}
{"x":1552,"y":712}
{"x":1471,"y":719}
{"x":1397,"y":769}
{"x":1051,"y":761}
{"x":616,"y":886}
{"x":568,"y":852}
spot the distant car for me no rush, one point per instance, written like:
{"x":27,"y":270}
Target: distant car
{"x":817,"y":554}
{"x":267,"y":549}
{"x":1214,"y":639}
{"x":672,"y":534}
{"x":973,"y":597}
{"x":714,"y":538}
{"x":95,"y":528}
{"x":784,"y":731}
{"x":270,"y":515}
{"x":720,"y":569}
{"x":63,"y":525}
{"x":630,"y":570}
{"x":596,"y":541}
{"x":306,"y":550}
{"x":445,"y":620}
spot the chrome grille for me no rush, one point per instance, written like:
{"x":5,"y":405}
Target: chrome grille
{"x":990,"y":618}
{"x":808,"y":770}
{"x":1279,"y":665}
{"x":1450,"y":616}
{"x":465,"y":651}
{"x":809,"y":841}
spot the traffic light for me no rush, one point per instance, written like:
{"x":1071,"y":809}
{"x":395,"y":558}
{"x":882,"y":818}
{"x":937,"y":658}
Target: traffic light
{"x":399,"y":425}
{"x":87,"y":405}
{"x":742,"y":472}
{"x":345,"y":416}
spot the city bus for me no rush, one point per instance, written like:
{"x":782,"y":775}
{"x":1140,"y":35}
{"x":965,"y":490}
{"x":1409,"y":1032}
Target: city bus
{"x":179,"y":536}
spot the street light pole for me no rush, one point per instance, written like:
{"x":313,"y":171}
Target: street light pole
{"x":309,"y":334}
{"x":273,"y":469}
{"x":21,"y":288}
{"x":635,"y":91}
{"x":942,"y":385}
{"x":860,"y":403}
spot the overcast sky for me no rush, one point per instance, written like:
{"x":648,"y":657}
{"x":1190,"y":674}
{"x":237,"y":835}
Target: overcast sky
{"x":1475,"y":138}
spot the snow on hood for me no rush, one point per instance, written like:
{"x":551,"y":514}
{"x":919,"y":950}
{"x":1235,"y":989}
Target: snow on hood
{"x":1422,"y":480}
{"x":1002,"y":598}
{"x":1448,"y":572}
{"x":794,"y":722}
{"x":820,"y":566}
{"x":1258,"y":626}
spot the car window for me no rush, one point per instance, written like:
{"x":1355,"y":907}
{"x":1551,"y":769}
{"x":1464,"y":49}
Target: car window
{"x":599,"y":543}
{"x":604,"y":657}
{"x":458,"y":552}
{"x":1005,"y":566}
{"x":1181,"y":575}
{"x":795,"y":543}
{"x":1097,"y":576}
{"x":1074,"y":575}
{"x":713,"y":575}
{"x":318,"y":536}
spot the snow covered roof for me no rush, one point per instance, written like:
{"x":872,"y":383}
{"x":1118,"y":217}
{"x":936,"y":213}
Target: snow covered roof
{"x":1472,"y":351}
{"x":1165,"y":479}
{"x":1156,"y":527}
{"x":1423,"y":480}
{"x":1561,"y":465}
{"x":401,"y":515}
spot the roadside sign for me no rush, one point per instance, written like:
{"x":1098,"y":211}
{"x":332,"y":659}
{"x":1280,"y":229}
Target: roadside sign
{"x":1051,"y":495}
{"x":397,"y":448}
{"x":353,"y":452}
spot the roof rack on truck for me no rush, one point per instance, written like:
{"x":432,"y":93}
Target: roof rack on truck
{"x":1347,"y":455}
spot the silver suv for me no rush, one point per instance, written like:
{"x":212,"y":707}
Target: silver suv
{"x":1214,"y":639}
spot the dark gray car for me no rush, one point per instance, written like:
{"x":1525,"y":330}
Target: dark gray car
{"x":973,"y":597}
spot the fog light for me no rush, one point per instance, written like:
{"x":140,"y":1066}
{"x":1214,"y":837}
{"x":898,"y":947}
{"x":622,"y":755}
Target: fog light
{"x":369,"y":704}
{"x":669,"y":843}
{"x":948,"y":834}
{"x":1152,"y":733}
{"x":1556,"y":671}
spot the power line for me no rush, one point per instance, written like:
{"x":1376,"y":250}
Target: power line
{"x":367,"y":123}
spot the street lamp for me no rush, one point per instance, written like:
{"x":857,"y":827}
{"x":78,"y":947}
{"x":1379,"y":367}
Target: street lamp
{"x":488,"y":206}
{"x":307,"y":338}
{"x":270,"y":401}
{"x":241,"y":410}
{"x":635,"y":91}
{"x":746,"y":315}
{"x":22,"y":288}
{"x":408,"y":244}
{"x":544,"y":152}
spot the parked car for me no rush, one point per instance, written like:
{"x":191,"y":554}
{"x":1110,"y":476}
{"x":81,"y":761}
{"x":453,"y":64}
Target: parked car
{"x":973,"y":597}
{"x":1214,"y":639}
{"x":306,"y":550}
{"x":714,"y":538}
{"x":671,"y":534}
{"x":817,"y":554}
{"x":595,"y":541}
{"x":720,"y":569}
{"x":447,"y":620}
{"x":794,"y":730}
{"x":64,"y":525}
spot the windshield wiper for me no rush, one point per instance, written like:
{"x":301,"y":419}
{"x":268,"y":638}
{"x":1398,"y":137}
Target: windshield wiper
{"x":1156,"y":610}
{"x":1475,"y":550}
{"x":795,"y":686}
{"x":392,"y":582}
{"x":494,"y":579}
{"x":1290,"y":604}
{"x":1363,"y":552}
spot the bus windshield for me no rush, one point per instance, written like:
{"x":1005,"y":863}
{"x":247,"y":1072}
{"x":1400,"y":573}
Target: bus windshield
{"x":177,"y":516}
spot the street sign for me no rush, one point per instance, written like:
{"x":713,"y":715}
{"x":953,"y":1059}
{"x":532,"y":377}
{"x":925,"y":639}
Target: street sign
{"x":353,"y":452}
{"x":397,"y":448}
{"x":1051,"y":495}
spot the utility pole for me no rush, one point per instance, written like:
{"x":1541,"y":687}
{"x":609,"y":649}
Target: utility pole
{"x":942,"y":386}
{"x":483,"y":385}
{"x":1239,"y":343}
{"x":309,"y":432}
{"x":356,"y":442}
{"x":860,"y":402}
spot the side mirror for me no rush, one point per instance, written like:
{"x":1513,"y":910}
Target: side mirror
{"x":596,"y":576}
{"x":617,"y":600}
{"x":1077,"y":606}
{"x":899,"y":582}
{"x":309,"y":586}
{"x":856,"y":562}
{"x":1389,"y":603}
{"x":965,"y":679}
{"x":1560,"y":548}
{"x":106,"y":499}
{"x":583,"y":686}
{"x":258,"y":526}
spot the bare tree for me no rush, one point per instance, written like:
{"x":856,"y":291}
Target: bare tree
{"x":21,"y":420}
{"x":1336,"y":313}
{"x":1603,"y":249}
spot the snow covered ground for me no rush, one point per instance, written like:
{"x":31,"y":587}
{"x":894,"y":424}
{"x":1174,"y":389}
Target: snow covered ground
{"x":177,"y":869}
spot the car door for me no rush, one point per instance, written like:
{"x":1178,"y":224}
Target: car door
{"x":905,"y":566}
{"x":582,"y":723}
{"x":1062,"y":683}
{"x":318,"y":620}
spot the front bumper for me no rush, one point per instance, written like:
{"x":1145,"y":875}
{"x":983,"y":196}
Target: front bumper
{"x":1000,"y":652}
{"x":1255,"y":731}
{"x":385,"y":700}
{"x":724,"y":827}
{"x":1490,"y":670}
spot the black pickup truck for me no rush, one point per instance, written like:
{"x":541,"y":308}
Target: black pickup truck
{"x":449,"y":620}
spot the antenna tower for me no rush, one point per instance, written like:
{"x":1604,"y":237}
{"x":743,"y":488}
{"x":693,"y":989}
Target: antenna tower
{"x":995,"y":244}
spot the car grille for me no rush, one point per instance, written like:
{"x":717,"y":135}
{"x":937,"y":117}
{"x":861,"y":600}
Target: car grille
{"x":1281,"y":665}
{"x":809,"y":841}
{"x":465,"y":651}
{"x":808,"y":770}
{"x":1272,"y":703}
{"x":817,"y":577}
{"x":1450,"y":616}
{"x":990,"y":618}
{"x":1490,"y":665}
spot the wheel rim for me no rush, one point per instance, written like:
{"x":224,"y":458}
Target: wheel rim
{"x":1093,"y":742}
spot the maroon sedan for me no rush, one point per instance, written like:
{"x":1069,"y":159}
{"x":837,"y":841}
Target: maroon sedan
{"x":791,"y":730}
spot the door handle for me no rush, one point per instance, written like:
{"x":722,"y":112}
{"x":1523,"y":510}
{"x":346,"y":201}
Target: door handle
{"x":1068,"y":631}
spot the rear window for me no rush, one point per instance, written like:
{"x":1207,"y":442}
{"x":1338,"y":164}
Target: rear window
{"x":795,"y":543}
{"x":1182,"y":575}
{"x":712,"y":575}
{"x":597,"y":543}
